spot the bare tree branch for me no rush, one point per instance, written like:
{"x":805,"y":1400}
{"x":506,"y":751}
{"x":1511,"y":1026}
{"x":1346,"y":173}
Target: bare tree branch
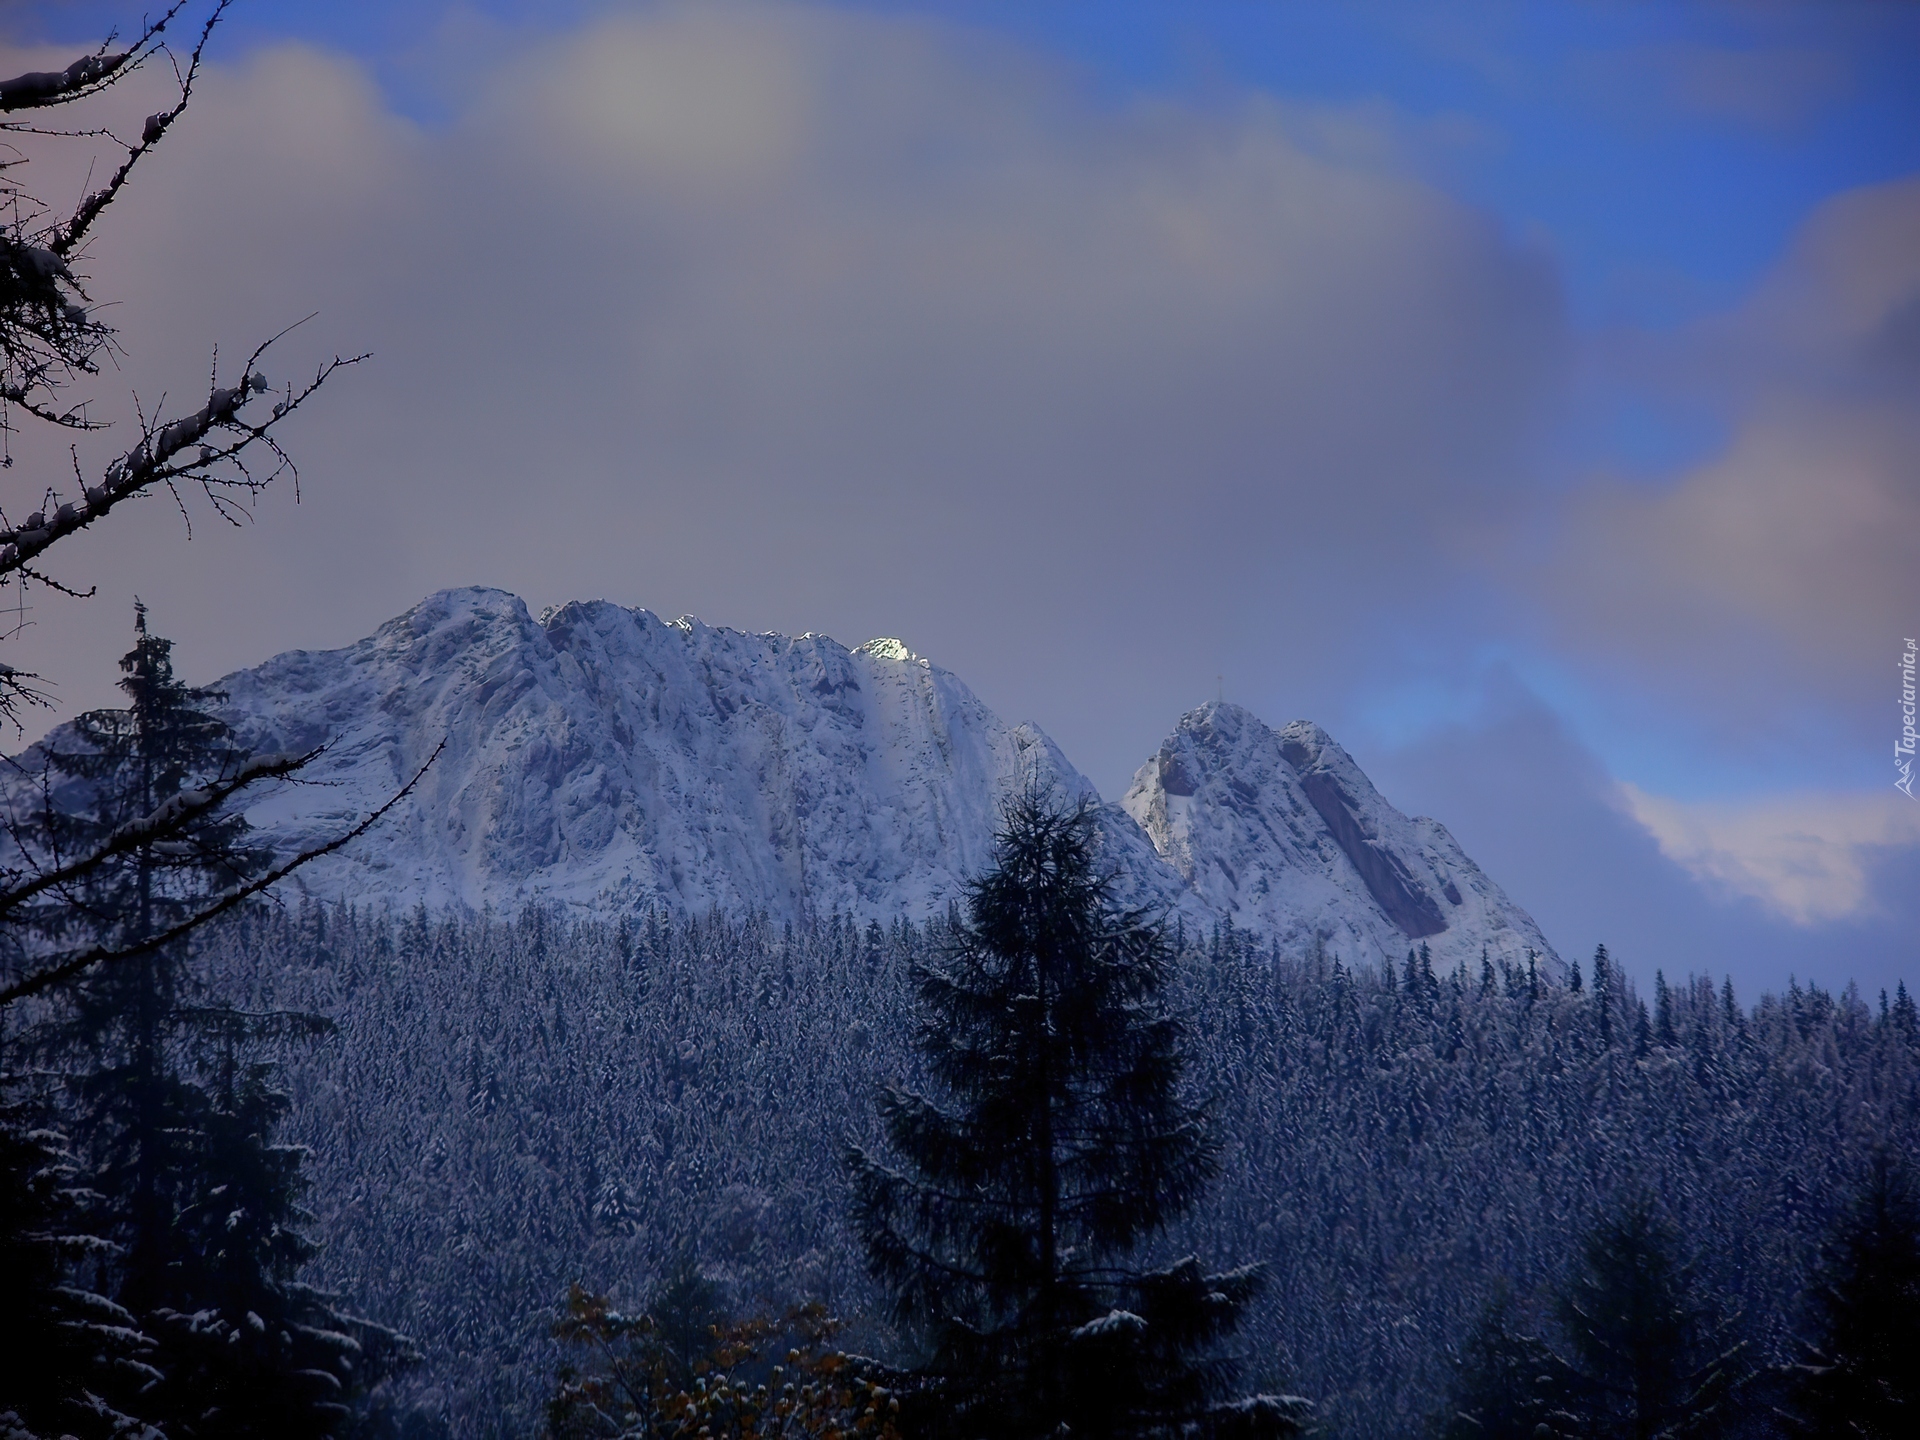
{"x":167,"y":821}
{"x":68,"y":967}
{"x":70,"y":235}
{"x":86,"y":76}
{"x":157,"y":460}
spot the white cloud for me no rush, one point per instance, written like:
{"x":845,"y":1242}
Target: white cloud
{"x":1806,"y":857}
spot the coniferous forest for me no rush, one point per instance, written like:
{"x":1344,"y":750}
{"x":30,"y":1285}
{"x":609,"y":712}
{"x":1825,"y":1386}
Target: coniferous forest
{"x":510,"y":1104}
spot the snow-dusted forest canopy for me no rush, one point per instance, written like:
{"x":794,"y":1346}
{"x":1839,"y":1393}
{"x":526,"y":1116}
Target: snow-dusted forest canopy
{"x":511,"y":1104}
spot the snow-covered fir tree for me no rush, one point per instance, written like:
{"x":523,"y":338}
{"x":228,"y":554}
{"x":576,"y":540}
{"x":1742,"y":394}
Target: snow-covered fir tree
{"x":1058,"y":1141}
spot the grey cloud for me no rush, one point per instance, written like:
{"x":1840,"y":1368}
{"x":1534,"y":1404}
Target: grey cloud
{"x":805,"y":320}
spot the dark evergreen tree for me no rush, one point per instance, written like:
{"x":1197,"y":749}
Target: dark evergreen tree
{"x":1507,"y":1384}
{"x":143,"y":1119}
{"x":1644,"y":1361}
{"x":1861,"y":1377}
{"x":257,"y":1352}
{"x":74,"y":1361}
{"x":1603,"y":992}
{"x":199,"y":1202}
{"x":1064,"y":1144}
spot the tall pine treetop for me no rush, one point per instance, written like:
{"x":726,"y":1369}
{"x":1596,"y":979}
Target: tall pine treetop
{"x":1062,"y":1142}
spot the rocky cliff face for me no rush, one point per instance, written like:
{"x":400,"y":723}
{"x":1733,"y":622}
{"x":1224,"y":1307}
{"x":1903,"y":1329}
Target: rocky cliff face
{"x":1279,"y":831}
{"x":601,"y":757}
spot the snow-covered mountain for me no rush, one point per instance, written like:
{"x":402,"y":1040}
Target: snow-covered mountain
{"x":601,"y":757}
{"x":1281,"y":832}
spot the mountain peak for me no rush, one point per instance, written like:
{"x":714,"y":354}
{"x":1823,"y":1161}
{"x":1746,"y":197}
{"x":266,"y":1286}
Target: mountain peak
{"x":1284,"y":834}
{"x":464,"y":602}
{"x":889,"y":649}
{"x":605,"y":758}
{"x":608,"y":758}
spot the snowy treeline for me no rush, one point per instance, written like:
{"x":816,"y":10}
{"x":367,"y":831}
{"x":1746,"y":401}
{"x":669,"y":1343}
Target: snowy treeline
{"x":513,"y":1104}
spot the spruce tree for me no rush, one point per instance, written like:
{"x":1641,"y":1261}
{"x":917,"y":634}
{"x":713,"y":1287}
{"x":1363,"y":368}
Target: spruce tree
{"x":75,"y":1362}
{"x":1506,"y":1387}
{"x":1645,"y":1361}
{"x":141,"y":1115}
{"x":1906,"y":1016}
{"x":252,"y":1350}
{"x":1061,"y":1144}
{"x":1603,"y":992}
{"x":1861,"y":1377}
{"x":199,"y":1202}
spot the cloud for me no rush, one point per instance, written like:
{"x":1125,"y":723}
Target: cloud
{"x":803,"y":319}
{"x":1772,"y":581}
{"x":1844,"y":296}
{"x":1708,"y":893}
{"x":1806,"y":858}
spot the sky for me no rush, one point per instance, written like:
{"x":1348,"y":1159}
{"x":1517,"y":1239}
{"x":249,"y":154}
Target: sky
{"x":1528,"y":394}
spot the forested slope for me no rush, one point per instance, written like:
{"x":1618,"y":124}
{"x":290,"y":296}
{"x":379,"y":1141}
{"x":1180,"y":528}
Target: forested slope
{"x":513,"y":1104}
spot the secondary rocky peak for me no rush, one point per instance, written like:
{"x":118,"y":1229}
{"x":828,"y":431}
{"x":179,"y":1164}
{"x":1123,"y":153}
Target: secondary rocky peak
{"x":1282,"y":832}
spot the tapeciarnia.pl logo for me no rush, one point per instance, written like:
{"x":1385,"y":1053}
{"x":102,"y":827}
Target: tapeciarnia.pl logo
{"x":1903,"y":747}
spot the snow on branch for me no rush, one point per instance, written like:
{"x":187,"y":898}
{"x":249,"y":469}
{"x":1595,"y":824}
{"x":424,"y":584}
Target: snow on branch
{"x":67,"y":967}
{"x":68,"y":236}
{"x":38,"y":89}
{"x":171,"y":454}
{"x":51,"y":87}
{"x":90,"y":74}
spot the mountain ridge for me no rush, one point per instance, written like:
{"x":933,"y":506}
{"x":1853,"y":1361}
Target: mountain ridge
{"x":602,"y":758}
